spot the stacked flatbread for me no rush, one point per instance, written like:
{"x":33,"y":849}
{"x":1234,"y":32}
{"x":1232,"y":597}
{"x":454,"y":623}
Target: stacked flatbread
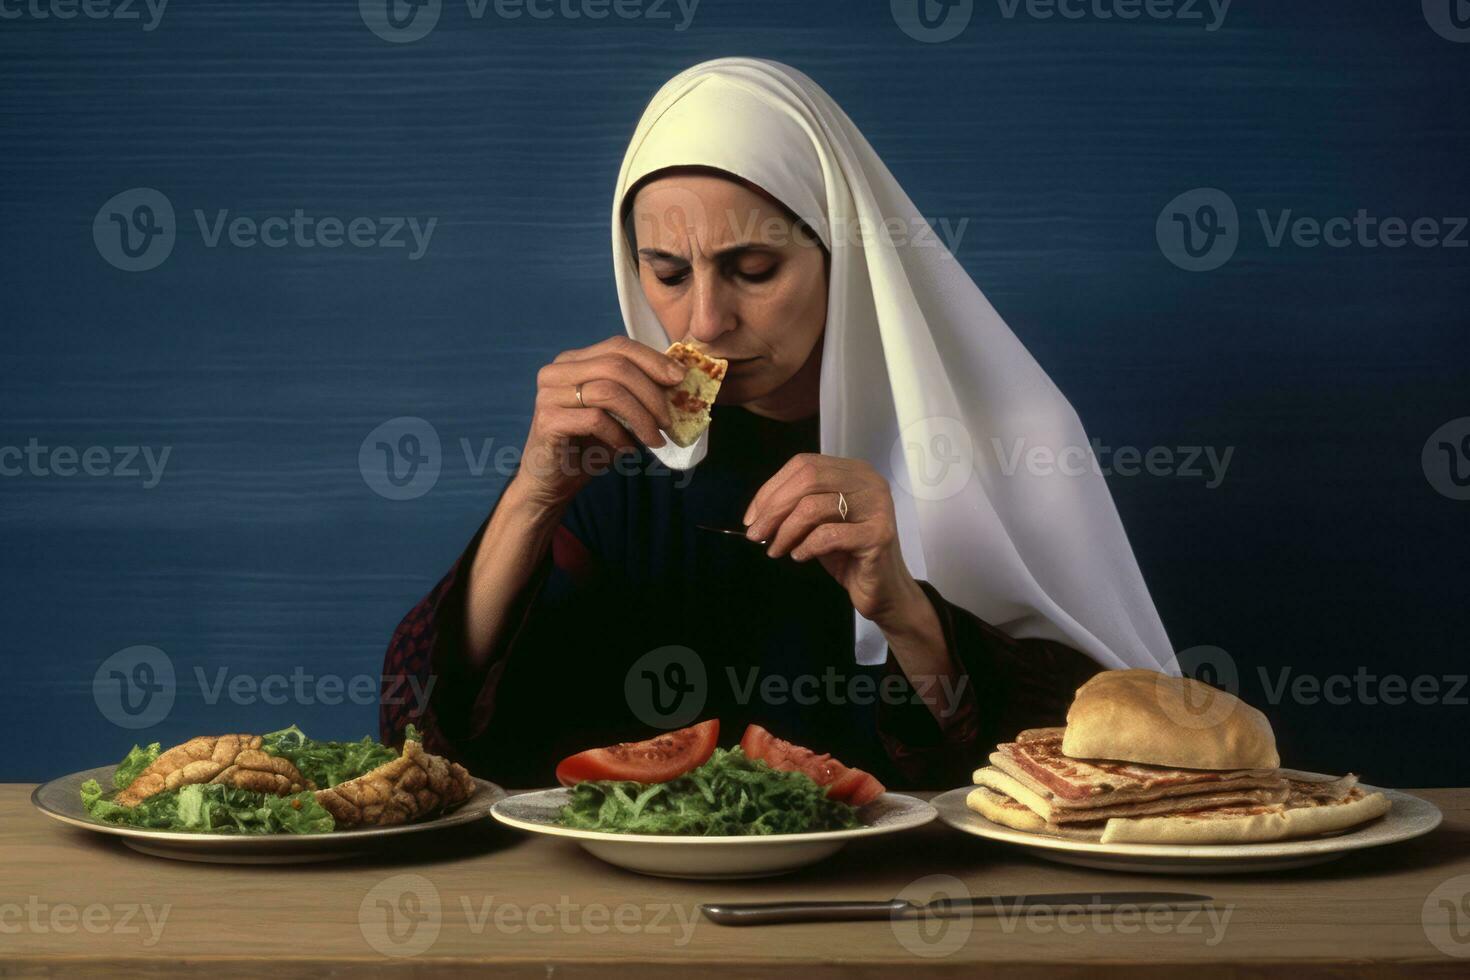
{"x":1138,"y":762}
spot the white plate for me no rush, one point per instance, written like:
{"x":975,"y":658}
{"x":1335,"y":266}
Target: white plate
{"x":1408,"y":817}
{"x":710,"y":857}
{"x":61,"y":800}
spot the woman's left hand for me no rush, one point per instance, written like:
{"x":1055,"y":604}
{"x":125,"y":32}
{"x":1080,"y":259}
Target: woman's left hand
{"x":797,"y":511}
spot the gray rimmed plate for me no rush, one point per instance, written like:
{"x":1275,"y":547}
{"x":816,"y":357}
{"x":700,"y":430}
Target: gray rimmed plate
{"x":60,"y":799}
{"x":710,"y":857}
{"x":1408,"y":817}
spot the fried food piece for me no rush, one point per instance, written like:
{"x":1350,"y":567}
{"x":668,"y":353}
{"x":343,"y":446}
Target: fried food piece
{"x":233,"y":760}
{"x":415,"y":785}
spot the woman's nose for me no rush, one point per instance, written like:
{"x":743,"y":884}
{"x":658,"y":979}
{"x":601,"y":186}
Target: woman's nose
{"x":712,"y":311}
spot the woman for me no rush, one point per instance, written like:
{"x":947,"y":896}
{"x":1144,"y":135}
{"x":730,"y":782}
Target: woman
{"x":903,"y":621}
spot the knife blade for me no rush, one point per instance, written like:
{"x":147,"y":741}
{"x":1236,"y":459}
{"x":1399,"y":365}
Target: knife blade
{"x":772,"y":913}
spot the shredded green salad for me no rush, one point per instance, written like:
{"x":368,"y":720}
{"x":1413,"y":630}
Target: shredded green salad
{"x":730,"y":795}
{"x":218,"y":809}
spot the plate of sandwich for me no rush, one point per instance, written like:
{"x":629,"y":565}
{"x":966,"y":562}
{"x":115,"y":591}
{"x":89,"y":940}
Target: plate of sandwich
{"x":679,"y":806}
{"x":268,"y":799}
{"x":1168,"y":775}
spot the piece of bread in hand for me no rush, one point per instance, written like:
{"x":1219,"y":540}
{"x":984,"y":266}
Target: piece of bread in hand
{"x":690,"y":399}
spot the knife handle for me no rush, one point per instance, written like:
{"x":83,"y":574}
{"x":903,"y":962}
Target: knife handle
{"x":768,"y":913}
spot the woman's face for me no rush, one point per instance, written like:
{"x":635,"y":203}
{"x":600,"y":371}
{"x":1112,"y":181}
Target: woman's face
{"x":722,"y":264}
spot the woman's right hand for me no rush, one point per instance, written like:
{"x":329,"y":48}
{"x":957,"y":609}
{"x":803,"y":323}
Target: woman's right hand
{"x":619,"y":376}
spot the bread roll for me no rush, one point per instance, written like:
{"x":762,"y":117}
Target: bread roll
{"x":1157,"y":719}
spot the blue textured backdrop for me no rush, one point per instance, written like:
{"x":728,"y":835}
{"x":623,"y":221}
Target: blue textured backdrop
{"x":262,"y":550}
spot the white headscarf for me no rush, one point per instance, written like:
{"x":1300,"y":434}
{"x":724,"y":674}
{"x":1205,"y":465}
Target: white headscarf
{"x":919,"y":373}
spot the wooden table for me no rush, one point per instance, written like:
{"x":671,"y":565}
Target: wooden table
{"x":77,"y":904}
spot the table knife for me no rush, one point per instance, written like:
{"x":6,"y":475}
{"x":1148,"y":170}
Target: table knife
{"x":770,"y":913}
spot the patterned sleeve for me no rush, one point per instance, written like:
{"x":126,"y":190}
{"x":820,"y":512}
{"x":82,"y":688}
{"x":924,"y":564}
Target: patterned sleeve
{"x":426,"y":682}
{"x":1004,"y":686}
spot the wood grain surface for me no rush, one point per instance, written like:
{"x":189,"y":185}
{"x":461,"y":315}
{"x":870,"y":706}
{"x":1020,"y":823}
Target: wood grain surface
{"x":76,"y":904}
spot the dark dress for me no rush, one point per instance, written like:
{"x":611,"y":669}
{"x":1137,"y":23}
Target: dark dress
{"x":629,"y":576}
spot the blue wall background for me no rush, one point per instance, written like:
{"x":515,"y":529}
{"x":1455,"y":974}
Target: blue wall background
{"x":263,"y":550}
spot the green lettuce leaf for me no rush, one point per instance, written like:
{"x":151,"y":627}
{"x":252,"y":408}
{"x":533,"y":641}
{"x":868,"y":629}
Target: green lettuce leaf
{"x":327,"y":763}
{"x":210,"y":808}
{"x":133,"y":765}
{"x":730,"y":795}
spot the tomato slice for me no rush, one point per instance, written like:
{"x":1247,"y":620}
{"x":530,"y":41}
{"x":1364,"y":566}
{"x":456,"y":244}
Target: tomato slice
{"x":656,"y":760}
{"x":843,"y":783}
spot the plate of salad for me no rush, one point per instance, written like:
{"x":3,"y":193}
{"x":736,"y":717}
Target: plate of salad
{"x":275,"y":798}
{"x":679,"y":806}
